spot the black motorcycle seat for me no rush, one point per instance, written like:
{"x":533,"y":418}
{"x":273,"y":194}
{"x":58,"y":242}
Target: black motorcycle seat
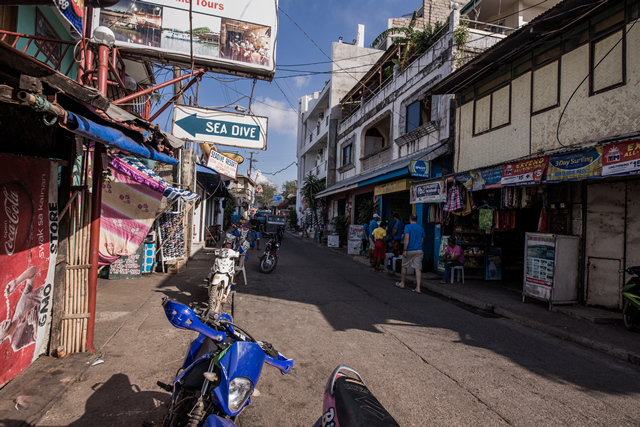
{"x":634,"y":270}
{"x":356,"y":406}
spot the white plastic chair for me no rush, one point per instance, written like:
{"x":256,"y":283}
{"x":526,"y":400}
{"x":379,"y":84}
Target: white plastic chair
{"x":457,"y":269}
{"x":240,"y":267}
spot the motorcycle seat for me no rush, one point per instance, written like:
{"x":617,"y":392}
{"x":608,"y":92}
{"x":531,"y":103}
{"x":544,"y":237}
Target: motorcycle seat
{"x":356,"y":406}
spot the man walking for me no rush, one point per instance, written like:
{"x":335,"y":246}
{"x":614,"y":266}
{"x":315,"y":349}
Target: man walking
{"x":412,"y":254}
{"x":254,"y":225}
{"x":398,"y":233}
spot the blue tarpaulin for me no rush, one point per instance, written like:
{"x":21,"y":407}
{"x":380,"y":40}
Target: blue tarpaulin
{"x":114,"y":138}
{"x":211,"y":181}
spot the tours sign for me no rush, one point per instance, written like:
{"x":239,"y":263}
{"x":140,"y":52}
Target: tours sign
{"x":220,"y":127}
{"x":234,"y":37}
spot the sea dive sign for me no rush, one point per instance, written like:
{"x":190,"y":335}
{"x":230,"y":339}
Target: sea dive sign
{"x":219,"y":127}
{"x":222,"y":164}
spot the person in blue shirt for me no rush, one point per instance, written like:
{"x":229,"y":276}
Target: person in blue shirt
{"x":365,"y":239}
{"x":412,"y":254}
{"x":397,"y":233}
{"x":372,"y":226}
{"x":392,"y":223}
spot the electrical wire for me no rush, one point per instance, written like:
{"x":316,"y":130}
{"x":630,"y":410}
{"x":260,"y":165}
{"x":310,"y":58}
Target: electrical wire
{"x":281,"y":170}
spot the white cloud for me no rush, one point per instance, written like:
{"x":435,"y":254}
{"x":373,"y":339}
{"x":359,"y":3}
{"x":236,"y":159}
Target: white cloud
{"x":282,"y":119}
{"x":301,"y":81}
{"x":259,"y":178}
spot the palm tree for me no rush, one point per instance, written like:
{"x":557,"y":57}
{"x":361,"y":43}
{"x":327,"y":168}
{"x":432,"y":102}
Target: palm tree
{"x":310,"y":188}
{"x":415,"y":42}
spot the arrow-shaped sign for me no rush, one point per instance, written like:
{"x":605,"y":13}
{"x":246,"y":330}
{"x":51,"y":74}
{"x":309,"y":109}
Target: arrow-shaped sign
{"x":195,"y":125}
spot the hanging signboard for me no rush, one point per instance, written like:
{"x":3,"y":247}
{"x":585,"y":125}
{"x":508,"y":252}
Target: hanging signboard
{"x":28,"y":249}
{"x":621,"y":159}
{"x":222,"y":164}
{"x":428,"y":192}
{"x":234,"y":37}
{"x":575,"y":166}
{"x":355,"y":231}
{"x":482,"y":179}
{"x":392,"y":187}
{"x":220,"y":127}
{"x":420,"y":169}
{"x":127,"y":267}
{"x":277,"y":197}
{"x":526,"y":172}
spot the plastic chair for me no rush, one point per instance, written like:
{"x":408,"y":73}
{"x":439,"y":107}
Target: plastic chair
{"x":457,"y":269}
{"x":240,"y":267}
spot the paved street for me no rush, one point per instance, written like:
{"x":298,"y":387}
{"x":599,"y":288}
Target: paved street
{"x":429,"y":361}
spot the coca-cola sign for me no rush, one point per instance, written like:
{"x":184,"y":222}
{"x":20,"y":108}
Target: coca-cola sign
{"x":16,"y":217}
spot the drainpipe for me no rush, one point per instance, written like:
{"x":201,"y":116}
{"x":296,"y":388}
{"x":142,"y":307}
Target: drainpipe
{"x":96,"y":205}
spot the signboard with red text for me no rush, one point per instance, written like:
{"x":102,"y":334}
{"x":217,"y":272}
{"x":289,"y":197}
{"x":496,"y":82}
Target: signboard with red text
{"x":526,"y":172}
{"x":28,"y":248}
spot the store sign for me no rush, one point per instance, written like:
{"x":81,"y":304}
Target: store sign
{"x":621,"y":159}
{"x":355,"y":231}
{"x":236,"y":37}
{"x":526,"y":172}
{"x":28,"y":249}
{"x":73,"y":12}
{"x":393,"y":187}
{"x":575,"y":166}
{"x":428,"y":192}
{"x":223,"y":164}
{"x":420,"y":169}
{"x":481,"y":179}
{"x":218,"y":127}
{"x":541,"y":255}
{"x":277,"y":197}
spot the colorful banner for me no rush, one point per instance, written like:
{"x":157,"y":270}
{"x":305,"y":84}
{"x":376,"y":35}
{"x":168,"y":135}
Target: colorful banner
{"x":73,"y":12}
{"x":481,"y":179}
{"x":355,"y":231}
{"x":526,"y":172}
{"x":429,"y":192}
{"x":621,"y":159}
{"x":28,"y":248}
{"x":420,"y":169}
{"x":575,"y":166}
{"x":541,"y":255}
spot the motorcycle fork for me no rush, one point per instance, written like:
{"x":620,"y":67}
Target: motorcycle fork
{"x":197,"y":413}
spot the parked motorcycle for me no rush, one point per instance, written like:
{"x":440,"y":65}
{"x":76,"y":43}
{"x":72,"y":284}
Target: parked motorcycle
{"x":220,"y":372}
{"x":222,"y":277}
{"x":631,"y":296}
{"x":269,"y":258}
{"x":349,"y":403}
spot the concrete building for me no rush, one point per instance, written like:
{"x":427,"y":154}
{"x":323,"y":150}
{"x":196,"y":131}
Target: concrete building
{"x":319,"y":112}
{"x":243,"y":189}
{"x":562,"y":107}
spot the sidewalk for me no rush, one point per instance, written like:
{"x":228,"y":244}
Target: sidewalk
{"x":594,"y":328}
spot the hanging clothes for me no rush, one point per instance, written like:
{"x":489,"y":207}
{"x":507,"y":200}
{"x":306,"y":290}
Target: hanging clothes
{"x":485,"y":219}
{"x":454,"y":201}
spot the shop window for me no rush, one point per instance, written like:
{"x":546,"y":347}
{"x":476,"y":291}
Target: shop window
{"x":492,"y":111}
{"x":545,"y":87}
{"x":418,"y":114}
{"x":608,"y":68}
{"x":346,"y":154}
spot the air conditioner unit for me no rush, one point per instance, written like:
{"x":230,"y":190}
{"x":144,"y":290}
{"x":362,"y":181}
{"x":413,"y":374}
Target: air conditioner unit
{"x":322,"y":115}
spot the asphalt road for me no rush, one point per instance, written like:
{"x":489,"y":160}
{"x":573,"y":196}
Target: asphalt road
{"x":428,"y":360}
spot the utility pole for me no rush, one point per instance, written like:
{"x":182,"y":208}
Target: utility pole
{"x":251,"y":160}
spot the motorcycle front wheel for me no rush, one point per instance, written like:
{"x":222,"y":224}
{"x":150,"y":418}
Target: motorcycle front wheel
{"x":216,"y":295}
{"x":268,"y":263}
{"x":629,"y":316}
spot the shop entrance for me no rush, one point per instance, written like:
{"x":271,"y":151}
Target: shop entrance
{"x":605,"y":242}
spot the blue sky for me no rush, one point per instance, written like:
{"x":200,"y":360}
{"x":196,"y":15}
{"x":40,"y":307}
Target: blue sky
{"x":323,"y":22}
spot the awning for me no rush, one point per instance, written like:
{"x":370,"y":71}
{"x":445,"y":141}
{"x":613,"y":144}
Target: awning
{"x":211,"y":181}
{"x":142,"y":174}
{"x":113,"y":137}
{"x":394,"y":170}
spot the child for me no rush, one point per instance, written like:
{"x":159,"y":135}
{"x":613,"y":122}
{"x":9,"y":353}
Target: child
{"x":379,"y":252}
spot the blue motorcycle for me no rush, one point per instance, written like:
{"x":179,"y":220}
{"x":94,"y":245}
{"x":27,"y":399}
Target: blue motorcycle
{"x":221,"y":370}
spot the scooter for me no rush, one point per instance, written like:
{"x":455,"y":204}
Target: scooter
{"x":631,"y":295}
{"x":220,"y":372}
{"x":222,"y":277}
{"x":269,"y":258}
{"x":349,"y":403}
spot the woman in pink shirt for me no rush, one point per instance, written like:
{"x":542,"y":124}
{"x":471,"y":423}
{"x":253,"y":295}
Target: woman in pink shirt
{"x":453,"y":257}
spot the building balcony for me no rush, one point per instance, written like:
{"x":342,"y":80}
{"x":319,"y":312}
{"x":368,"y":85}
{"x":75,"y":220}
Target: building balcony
{"x":375,"y":160}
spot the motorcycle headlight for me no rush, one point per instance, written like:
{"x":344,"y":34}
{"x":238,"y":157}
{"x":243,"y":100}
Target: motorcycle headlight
{"x":239,"y":391}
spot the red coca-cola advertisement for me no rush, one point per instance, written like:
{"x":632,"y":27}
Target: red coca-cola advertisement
{"x":28,"y":249}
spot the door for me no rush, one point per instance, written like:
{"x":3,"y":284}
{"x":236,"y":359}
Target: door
{"x":604,"y":243}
